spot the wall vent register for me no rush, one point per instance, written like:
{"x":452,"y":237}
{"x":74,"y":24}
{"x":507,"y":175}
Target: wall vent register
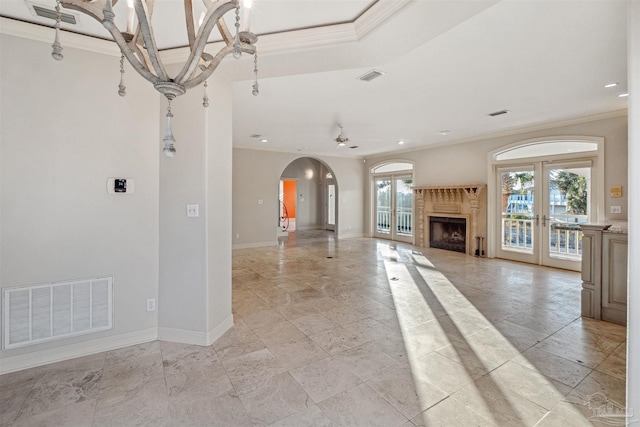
{"x":35,"y":314}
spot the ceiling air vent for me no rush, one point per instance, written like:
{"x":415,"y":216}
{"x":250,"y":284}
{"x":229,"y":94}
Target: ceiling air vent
{"x":373,"y":74}
{"x":499,"y":113}
{"x":51,"y":14}
{"x":354,"y":147}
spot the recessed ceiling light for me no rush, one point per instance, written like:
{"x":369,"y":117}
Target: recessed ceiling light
{"x":401,"y":141}
{"x":611,"y":85}
{"x":623,"y":95}
{"x":264,"y":140}
{"x":444,"y":132}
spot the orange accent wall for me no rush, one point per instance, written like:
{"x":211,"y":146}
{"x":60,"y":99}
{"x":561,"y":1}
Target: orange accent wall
{"x":289,"y":190}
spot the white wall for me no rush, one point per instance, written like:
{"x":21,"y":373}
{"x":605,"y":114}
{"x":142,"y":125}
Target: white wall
{"x":466,"y":163}
{"x":64,"y":131}
{"x":633,"y":321}
{"x":256,"y":174}
{"x":195,"y":252}
{"x":219,"y":156}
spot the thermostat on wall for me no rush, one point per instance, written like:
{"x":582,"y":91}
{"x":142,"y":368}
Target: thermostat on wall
{"x":120,"y":185}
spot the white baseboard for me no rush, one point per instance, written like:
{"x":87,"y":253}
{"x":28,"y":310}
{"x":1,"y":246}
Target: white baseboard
{"x":349,"y":235}
{"x":193,"y":337}
{"x":255,"y":245}
{"x":85,"y":348}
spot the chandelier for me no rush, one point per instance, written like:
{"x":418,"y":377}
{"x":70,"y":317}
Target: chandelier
{"x":138,"y":45}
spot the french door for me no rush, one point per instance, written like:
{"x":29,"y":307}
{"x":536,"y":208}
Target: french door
{"x":393,"y":214}
{"x":542,"y":205}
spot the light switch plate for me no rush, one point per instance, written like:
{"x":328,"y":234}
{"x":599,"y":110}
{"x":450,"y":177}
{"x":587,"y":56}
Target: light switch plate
{"x":193,"y":211}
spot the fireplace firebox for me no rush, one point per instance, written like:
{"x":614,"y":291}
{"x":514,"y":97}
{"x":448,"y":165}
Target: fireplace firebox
{"x":448,"y":233}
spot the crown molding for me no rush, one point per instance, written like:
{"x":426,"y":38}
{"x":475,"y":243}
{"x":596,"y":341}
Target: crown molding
{"x":41,"y":33}
{"x":376,"y":15}
{"x":296,"y":152}
{"x":290,"y":41}
{"x":307,"y":38}
{"x":510,"y":132}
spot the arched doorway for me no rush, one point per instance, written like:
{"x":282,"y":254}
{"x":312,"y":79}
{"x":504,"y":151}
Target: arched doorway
{"x":308,"y":198}
{"x":540,"y":191}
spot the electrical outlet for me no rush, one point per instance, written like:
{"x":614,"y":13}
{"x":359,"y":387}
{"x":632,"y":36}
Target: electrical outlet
{"x":151,"y":304}
{"x":616,"y":209}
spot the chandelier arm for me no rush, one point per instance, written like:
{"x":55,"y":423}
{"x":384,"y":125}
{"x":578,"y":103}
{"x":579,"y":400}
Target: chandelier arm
{"x":137,"y":65}
{"x":214,"y":13}
{"x":146,"y":29}
{"x":224,"y":31}
{"x":191,"y":26}
{"x":206,"y":73}
{"x":95,"y":9}
{"x":142,"y":57}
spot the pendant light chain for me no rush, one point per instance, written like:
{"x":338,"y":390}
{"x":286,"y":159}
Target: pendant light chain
{"x":237,"y":53}
{"x":256,"y":88}
{"x":57,"y":47}
{"x":205,"y":98}
{"x":122,"y":89}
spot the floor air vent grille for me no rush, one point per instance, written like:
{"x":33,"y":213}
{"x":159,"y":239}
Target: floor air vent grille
{"x":40,"y":313}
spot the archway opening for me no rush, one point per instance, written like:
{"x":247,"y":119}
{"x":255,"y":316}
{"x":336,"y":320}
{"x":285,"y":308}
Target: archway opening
{"x":308,"y":201}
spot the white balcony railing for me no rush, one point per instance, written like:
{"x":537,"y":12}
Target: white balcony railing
{"x":383,"y":221}
{"x":565,"y":238}
{"x":517,"y":233}
{"x":404,"y":220}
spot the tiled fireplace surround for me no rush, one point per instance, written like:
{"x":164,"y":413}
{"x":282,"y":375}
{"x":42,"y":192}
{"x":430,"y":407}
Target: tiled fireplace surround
{"x":453,"y":201}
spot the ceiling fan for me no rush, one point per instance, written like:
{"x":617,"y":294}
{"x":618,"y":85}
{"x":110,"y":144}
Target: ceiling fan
{"x":341,"y":139}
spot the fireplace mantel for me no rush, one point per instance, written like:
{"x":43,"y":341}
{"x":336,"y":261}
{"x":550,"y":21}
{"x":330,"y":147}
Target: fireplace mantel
{"x":468,"y":201}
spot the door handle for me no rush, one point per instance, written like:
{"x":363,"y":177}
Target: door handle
{"x":544,"y":220}
{"x":537,"y":220}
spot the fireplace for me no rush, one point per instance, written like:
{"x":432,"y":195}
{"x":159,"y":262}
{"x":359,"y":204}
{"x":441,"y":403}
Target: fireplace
{"x":450,"y":217}
{"x":448,"y":233}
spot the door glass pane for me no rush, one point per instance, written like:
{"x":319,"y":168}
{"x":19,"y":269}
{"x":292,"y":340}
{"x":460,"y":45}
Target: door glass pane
{"x":331,"y":204}
{"x":568,"y":207}
{"x":383,"y":205}
{"x":404,"y":202}
{"x":517,"y":211}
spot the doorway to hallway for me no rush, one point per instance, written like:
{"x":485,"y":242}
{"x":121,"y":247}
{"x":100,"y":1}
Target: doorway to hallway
{"x":308,"y":198}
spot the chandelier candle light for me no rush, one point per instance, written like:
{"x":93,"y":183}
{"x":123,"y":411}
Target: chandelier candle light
{"x":139,"y":47}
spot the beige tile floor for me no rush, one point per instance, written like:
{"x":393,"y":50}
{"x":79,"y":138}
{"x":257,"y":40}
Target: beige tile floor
{"x":360,"y":332}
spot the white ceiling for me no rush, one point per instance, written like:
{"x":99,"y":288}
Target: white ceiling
{"x":448,"y":64}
